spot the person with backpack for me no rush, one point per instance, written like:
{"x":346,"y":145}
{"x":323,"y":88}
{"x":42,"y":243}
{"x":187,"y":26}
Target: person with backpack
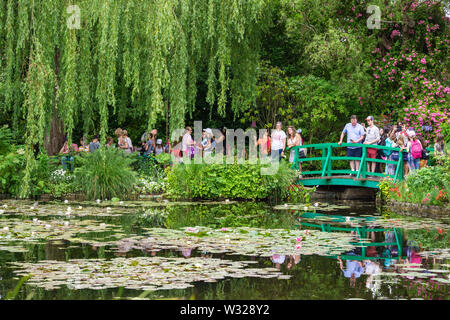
{"x":390,"y":142}
{"x":414,"y":149}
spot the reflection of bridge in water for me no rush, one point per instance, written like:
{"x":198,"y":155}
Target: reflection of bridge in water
{"x":359,"y":231}
{"x":327,"y":176}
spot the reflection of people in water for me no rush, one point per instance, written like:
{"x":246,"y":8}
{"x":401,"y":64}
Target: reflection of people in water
{"x":186,"y":252}
{"x":206,"y":255}
{"x":354,"y":269}
{"x":372,"y":268}
{"x":293,"y":260}
{"x":278,"y":260}
{"x":123,"y":247}
{"x":371,"y":251}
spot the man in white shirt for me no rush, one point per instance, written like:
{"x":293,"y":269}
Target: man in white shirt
{"x":355,"y":134}
{"x":278,"y":142}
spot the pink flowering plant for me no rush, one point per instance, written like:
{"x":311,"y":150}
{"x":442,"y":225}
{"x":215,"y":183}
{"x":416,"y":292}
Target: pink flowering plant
{"x":410,"y":66}
{"x":428,"y":109}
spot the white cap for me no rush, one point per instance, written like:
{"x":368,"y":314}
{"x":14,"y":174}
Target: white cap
{"x":208,"y":130}
{"x":411,"y":133}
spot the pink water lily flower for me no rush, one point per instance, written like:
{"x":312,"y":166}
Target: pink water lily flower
{"x":299,"y":239}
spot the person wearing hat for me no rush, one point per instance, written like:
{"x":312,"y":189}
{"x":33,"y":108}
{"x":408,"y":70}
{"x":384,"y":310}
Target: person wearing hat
{"x":372,"y":137}
{"x":355,"y":134}
{"x":300,"y":138}
{"x":159,"y":148}
{"x":208,"y":143}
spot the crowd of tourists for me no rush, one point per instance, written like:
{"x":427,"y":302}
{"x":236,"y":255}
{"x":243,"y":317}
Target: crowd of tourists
{"x":412,"y":146}
{"x":273,"y":143}
{"x":277,"y":142}
{"x":150,"y":145}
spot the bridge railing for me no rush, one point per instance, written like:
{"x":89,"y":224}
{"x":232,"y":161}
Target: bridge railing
{"x":327,"y":159}
{"x":360,"y":231}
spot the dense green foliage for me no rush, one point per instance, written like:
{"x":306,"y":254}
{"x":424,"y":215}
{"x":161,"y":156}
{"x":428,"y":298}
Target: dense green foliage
{"x":13,"y":164}
{"x":126,"y":59}
{"x":429,"y":185}
{"x":164,"y":63}
{"x":106,"y":173}
{"x":243,"y":181}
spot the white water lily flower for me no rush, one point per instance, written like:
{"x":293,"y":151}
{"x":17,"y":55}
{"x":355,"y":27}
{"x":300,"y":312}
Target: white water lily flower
{"x":316,"y":204}
{"x":69,"y":209}
{"x":2,"y":211}
{"x":80,"y":207}
{"x":106,"y":199}
{"x":305,"y":208}
{"x":98,"y":200}
{"x":66,"y":201}
{"x":102,"y":225}
{"x":5,"y":206}
{"x":5,"y":229}
{"x":47,"y":226}
{"x":66,"y":223}
{"x":35,"y":220}
{"x":121,"y":202}
{"x":108,"y":209}
{"x":227,"y":200}
{"x":285,"y":204}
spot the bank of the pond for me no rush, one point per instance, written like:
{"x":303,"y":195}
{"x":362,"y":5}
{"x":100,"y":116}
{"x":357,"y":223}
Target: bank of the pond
{"x":419,"y":210}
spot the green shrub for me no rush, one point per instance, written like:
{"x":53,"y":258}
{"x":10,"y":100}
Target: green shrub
{"x":106,"y":173}
{"x":429,"y":185}
{"x":298,"y":193}
{"x":428,"y":178}
{"x":12,"y":168}
{"x":148,"y":167}
{"x":232,"y":181}
{"x":62,"y":182}
{"x":164,"y":159}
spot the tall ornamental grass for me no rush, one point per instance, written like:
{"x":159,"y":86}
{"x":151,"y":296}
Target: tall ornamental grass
{"x":105,"y":174}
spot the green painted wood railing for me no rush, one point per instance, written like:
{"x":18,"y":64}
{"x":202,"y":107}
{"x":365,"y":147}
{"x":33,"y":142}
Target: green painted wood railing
{"x":325,"y":227}
{"x":327,"y":159}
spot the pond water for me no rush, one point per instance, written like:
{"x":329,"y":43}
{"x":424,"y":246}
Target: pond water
{"x":250,"y":250}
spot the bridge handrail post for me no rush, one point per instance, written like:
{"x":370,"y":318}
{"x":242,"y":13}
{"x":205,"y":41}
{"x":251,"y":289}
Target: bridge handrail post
{"x":330,"y":163}
{"x":327,"y":160}
{"x":362,"y":163}
{"x":399,"y":171}
{"x":295,"y":161}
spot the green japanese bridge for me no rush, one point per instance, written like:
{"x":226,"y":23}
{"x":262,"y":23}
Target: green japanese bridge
{"x":328,"y":176}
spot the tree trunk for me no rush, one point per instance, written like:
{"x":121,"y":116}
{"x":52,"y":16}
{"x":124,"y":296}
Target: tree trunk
{"x":167,"y":121}
{"x":54,"y":136}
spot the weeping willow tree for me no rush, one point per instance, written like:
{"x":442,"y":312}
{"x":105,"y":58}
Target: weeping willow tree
{"x":65,"y":63}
